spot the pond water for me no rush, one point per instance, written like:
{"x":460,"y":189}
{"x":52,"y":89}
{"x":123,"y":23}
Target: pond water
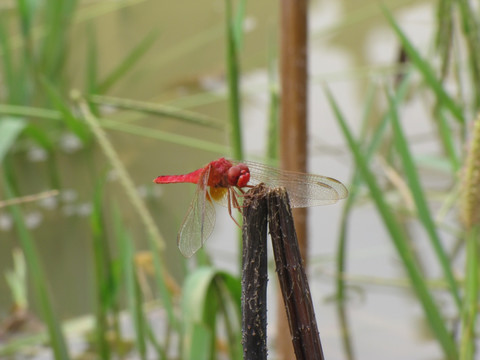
{"x":347,"y":39}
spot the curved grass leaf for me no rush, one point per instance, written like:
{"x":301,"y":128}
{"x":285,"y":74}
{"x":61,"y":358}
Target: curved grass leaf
{"x":202,"y":300}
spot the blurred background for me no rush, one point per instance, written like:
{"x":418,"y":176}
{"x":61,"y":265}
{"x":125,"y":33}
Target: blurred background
{"x":152,"y":75}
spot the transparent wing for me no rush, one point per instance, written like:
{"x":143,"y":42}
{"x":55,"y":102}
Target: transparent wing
{"x":304,"y":190}
{"x":199,"y":220}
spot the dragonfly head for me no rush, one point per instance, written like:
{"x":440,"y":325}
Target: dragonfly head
{"x":238,"y":175}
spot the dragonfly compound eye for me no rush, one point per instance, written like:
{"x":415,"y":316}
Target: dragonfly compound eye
{"x":238,"y":175}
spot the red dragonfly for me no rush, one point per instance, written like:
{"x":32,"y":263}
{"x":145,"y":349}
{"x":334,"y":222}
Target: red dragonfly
{"x":223,"y":180}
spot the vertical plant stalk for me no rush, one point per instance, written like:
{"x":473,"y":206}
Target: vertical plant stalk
{"x":233,"y":83}
{"x":293,"y":67}
{"x":254,"y":275}
{"x":292,"y":278}
{"x":293,"y":118}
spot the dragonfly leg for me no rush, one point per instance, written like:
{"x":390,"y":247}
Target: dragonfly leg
{"x":232,"y":200}
{"x":235,"y":202}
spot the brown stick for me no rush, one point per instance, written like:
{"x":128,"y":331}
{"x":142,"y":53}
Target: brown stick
{"x":294,"y":96}
{"x":292,"y":278}
{"x":293,"y":125}
{"x":254,"y":274}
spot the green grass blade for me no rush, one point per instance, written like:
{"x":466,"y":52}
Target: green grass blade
{"x":165,"y":136}
{"x":196,"y":314}
{"x":37,"y":275}
{"x":106,"y":288}
{"x":26,"y":10}
{"x":228,"y":290}
{"x":233,"y":71}
{"x":6,"y":58}
{"x":471,"y":288}
{"x":127,"y":63}
{"x":471,"y":31}
{"x":57,"y":20}
{"x":238,"y":22}
{"x":101,"y":327}
{"x":10,"y":130}
{"x":420,"y":200}
{"x":274,"y":110}
{"x":92,"y":62}
{"x":201,"y":344}
{"x":448,"y":141}
{"x":134,"y":298}
{"x":29,"y":111}
{"x":426,"y":70}
{"x":158,"y":110}
{"x":397,"y":236}
{"x":443,"y":39}
{"x":17,"y":280}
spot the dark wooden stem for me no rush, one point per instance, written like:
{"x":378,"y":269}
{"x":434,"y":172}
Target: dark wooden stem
{"x":292,"y":277}
{"x":254,"y":274}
